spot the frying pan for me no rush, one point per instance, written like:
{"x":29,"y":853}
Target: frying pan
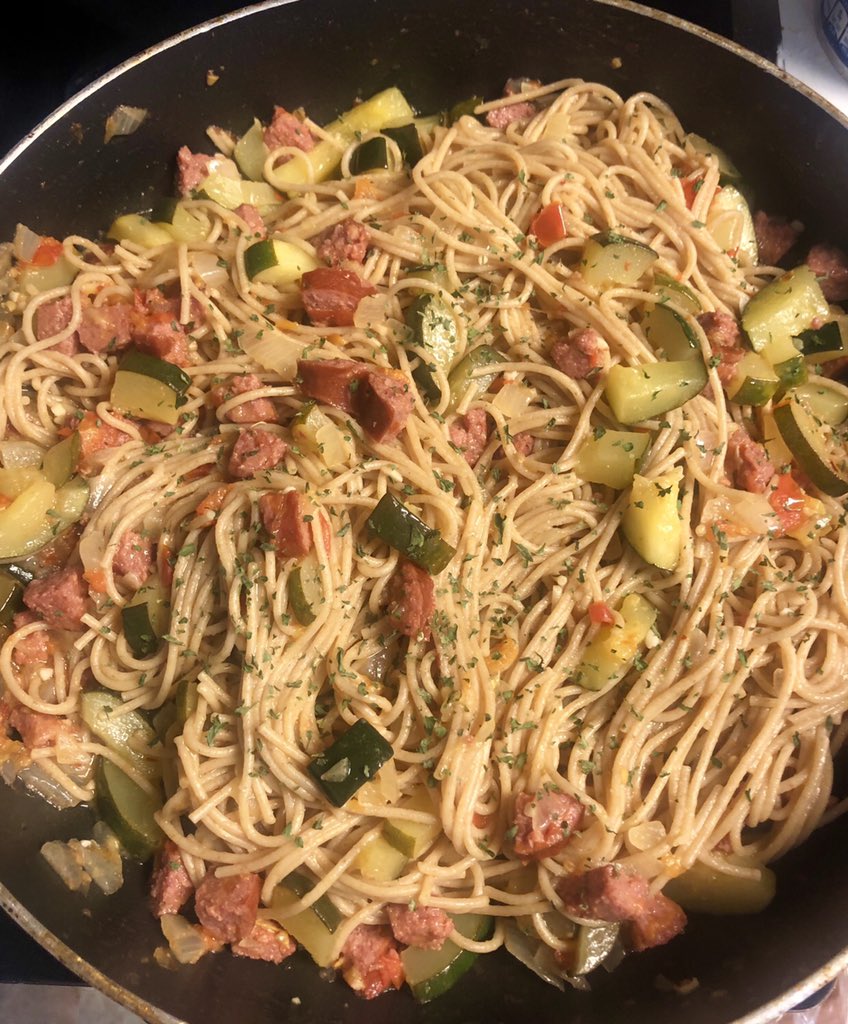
{"x":321,"y":54}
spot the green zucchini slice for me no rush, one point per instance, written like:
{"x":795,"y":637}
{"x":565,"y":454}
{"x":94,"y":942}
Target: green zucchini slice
{"x":614,"y":648}
{"x":822,"y":456}
{"x":371,"y":155}
{"x":611,"y":458}
{"x":827,"y":404}
{"x":464,"y":108}
{"x":408,"y":141}
{"x":273,"y":261}
{"x":434,"y":340}
{"x":610,"y":258}
{"x":61,"y":461}
{"x":783,"y":308}
{"x":667,"y":289}
{"x":703,"y":890}
{"x":150,"y":388}
{"x":186,"y":700}
{"x":128,"y":733}
{"x":401,"y":529}
{"x":669,"y":332}
{"x":465,"y":375}
{"x":251,"y":152}
{"x":432,"y":972}
{"x":305,"y":591}
{"x":350,"y":762}
{"x":637,"y":393}
{"x":730,"y":223}
{"x":754,"y":381}
{"x":652,"y":522}
{"x":132,"y":227}
{"x":821,"y":344}
{"x":145,"y":620}
{"x":128,"y":810}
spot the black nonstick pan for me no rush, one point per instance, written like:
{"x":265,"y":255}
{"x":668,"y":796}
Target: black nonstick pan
{"x":792,"y":148}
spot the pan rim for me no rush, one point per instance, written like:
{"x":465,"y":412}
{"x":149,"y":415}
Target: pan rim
{"x":16,"y":910}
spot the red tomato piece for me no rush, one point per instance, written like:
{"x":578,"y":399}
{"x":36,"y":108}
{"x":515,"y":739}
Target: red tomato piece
{"x":549,"y":225}
{"x":601,"y":614}
{"x":49,"y":250}
{"x":789,"y":502}
{"x":691,"y":187}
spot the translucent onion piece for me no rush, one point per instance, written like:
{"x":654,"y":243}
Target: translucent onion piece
{"x":372,"y":309}
{"x":207,"y":266}
{"x":37,"y":781}
{"x":646,"y":834}
{"x":124,"y":121}
{"x":185,"y":939}
{"x":103,"y":864}
{"x":533,"y":953}
{"x":20,"y":454}
{"x":513,"y":399}
{"x":92,"y":549}
{"x":25,"y":243}
{"x":740,"y":514}
{"x":67,"y":864}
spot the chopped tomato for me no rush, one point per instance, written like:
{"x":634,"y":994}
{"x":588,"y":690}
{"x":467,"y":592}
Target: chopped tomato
{"x":96,"y":580}
{"x":4,"y":502}
{"x":214,"y":500}
{"x":197,"y":473}
{"x":47,"y":252}
{"x":691,"y":187}
{"x":601,"y":614}
{"x":789,"y":502}
{"x":549,"y":225}
{"x":482,"y":820}
{"x":364,"y":188}
{"x":95,"y":435}
{"x":326,"y":533}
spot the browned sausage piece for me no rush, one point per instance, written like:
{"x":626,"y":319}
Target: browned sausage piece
{"x":284,"y":516}
{"x":545,"y":822}
{"x":412,"y":600}
{"x":226,"y":907}
{"x":170,"y":886}
{"x":330,"y":295}
{"x":423,"y":927}
{"x":59,"y":599}
{"x":747,"y":463}
{"x":371,"y":963}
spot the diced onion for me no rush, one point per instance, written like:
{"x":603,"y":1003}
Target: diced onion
{"x":740,"y":514}
{"x":25,"y":243}
{"x":185,"y":939}
{"x":372,"y":309}
{"x":124,"y":121}
{"x":207,"y":266}
{"x":278,"y":352}
{"x":513,"y":399}
{"x":533,"y":953}
{"x":646,"y":834}
{"x":38,"y":781}
{"x":67,"y":864}
{"x":20,"y":454}
{"x":92,"y":550}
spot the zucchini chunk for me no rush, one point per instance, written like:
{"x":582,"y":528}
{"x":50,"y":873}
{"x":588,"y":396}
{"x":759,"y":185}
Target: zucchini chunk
{"x":825,"y":403}
{"x":171,"y":215}
{"x":230,"y":193}
{"x":703,"y":890}
{"x":614,"y":648}
{"x":465,"y":376}
{"x":273,"y":261}
{"x":821,"y":344}
{"x":350,"y":762}
{"x":313,"y":928}
{"x":652,"y":521}
{"x":610,"y":258}
{"x":730,"y":223}
{"x":432,"y":972}
{"x":373,"y":115}
{"x":371,"y":155}
{"x":408,"y":141}
{"x":186,"y":700}
{"x":401,"y":529}
{"x":667,"y":289}
{"x":132,"y":227}
{"x":149,"y":388}
{"x":379,"y":861}
{"x":823,"y":457}
{"x":727,"y":168}
{"x":315,"y":432}
{"x":38,"y":512}
{"x":61,"y":461}
{"x":783,"y":308}
{"x":434,"y":341}
{"x":611,"y":458}
{"x":128,"y":810}
{"x":754,"y":381}
{"x":305,"y":591}
{"x":43,"y":279}
{"x":669,"y":332}
{"x":251,"y":152}
{"x":145,"y":620}
{"x":126,"y":732}
{"x":637,"y":393}
{"x":464,"y":108}
{"x":412,"y":838}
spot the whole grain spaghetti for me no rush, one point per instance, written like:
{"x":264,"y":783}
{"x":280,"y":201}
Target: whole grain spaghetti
{"x":426,"y":623}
